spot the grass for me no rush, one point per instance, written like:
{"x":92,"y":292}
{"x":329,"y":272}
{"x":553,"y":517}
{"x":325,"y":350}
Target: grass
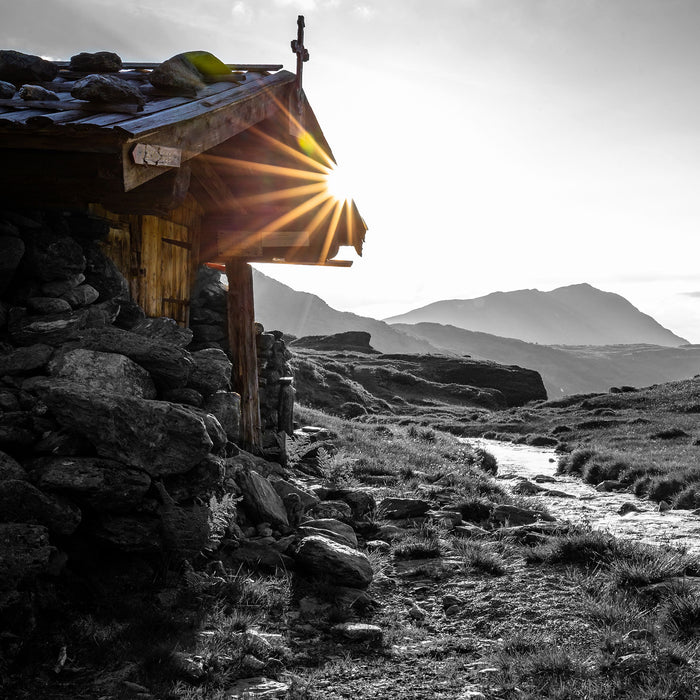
{"x":479,"y":557}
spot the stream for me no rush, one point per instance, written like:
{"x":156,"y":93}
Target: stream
{"x":582,"y":503}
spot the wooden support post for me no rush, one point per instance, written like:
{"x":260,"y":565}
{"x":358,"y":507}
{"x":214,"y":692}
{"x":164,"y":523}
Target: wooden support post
{"x":241,"y":334}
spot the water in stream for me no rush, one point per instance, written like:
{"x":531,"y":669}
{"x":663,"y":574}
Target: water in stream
{"x":583,"y":503}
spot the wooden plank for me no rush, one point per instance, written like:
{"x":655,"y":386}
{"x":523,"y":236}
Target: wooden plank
{"x":241,"y":333}
{"x":196,"y":135}
{"x":214,"y":185}
{"x":159,"y":156}
{"x":65,"y":105}
{"x":136,"y":65}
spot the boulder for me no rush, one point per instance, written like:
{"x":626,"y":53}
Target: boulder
{"x":260,"y":500}
{"x":56,"y":257}
{"x":7,"y":91}
{"x":25,"y":360}
{"x":259,"y":555}
{"x":165,"y":330}
{"x":168,"y":365}
{"x":284,"y":488}
{"x":16,"y":428}
{"x":107,"y":89}
{"x":51,"y":329}
{"x":98,"y":62}
{"x":186,"y":73}
{"x":211,"y":371}
{"x":189,"y":397}
{"x":336,"y":510}
{"x":58,"y":287}
{"x":400,"y":508}
{"x":102,"y":274}
{"x":22,"y":502}
{"x":343,"y":565}
{"x":37,"y":92}
{"x":226,"y":406}
{"x":81,"y":296}
{"x":11,"y":253}
{"x":361,"y":501}
{"x":19,"y":68}
{"x":159,"y":437}
{"x":216,"y":433}
{"x":47,"y":305}
{"x":10,"y":468}
{"x":92,"y":481}
{"x":514,"y":515}
{"x":103,"y":372}
{"x":130,"y":314}
{"x":24,"y":553}
{"x":330,"y":528}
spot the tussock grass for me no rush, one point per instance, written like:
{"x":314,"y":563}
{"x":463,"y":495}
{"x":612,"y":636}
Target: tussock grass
{"x":424,"y":544}
{"x":479,"y":557}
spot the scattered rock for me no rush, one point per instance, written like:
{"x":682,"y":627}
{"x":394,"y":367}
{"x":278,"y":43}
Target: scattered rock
{"x":7,"y":92}
{"x":307,"y":498}
{"x":332,"y":529}
{"x":339,"y":563}
{"x":98,"y":62}
{"x":609,"y":485}
{"x":182,"y":74}
{"x":359,"y":632}
{"x":83,"y":295}
{"x":628,"y":507}
{"x":58,"y":287}
{"x":513,"y":515}
{"x":211,"y":371}
{"x":52,"y":329}
{"x":48,"y":305}
{"x":400,"y":508}
{"x":415,"y":612}
{"x":254,"y":688}
{"x":164,"y":329}
{"x":19,"y":68}
{"x":361,"y":501}
{"x":36,"y":92}
{"x":107,"y":89}
{"x":261,"y":501}
{"x":336,"y":510}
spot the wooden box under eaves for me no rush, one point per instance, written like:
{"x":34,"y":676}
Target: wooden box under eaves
{"x":232,"y":175}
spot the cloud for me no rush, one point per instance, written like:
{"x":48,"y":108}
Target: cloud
{"x":302,"y":5}
{"x":695,"y":295}
{"x":241,"y":12}
{"x":364,"y":12}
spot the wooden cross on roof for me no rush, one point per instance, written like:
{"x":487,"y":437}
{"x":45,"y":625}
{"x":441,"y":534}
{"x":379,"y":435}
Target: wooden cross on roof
{"x":302,"y":56}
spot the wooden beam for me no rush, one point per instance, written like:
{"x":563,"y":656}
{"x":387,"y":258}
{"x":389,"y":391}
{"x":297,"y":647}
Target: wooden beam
{"x":241,"y":334}
{"x":214,"y":185}
{"x":71,"y":105}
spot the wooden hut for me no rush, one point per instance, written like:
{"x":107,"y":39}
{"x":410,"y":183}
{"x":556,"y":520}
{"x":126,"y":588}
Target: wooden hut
{"x":230,"y":175}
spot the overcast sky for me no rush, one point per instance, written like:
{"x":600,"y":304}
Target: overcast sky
{"x":493,"y":144}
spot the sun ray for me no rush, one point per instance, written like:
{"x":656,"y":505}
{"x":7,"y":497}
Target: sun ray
{"x":295,"y":213}
{"x":270,"y":169}
{"x":287,"y":193}
{"x":330,"y":233}
{"x":285,"y":148}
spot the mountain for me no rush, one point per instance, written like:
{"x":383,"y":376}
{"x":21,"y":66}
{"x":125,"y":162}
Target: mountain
{"x":279,"y":307}
{"x":575,"y":315}
{"x":569,"y":369}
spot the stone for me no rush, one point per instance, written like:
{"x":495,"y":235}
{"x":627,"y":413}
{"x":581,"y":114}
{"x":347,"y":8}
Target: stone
{"x":25,"y":360}
{"x":527,"y":488}
{"x":208,"y":334}
{"x":164,"y":329}
{"x":345,"y":566}
{"x":56,"y":257}
{"x":8,"y":401}
{"x":58,"y":287}
{"x":37,"y":92}
{"x":361,"y":501}
{"x":103,"y":372}
{"x":16,"y":428}
{"x":284,"y":488}
{"x":201,"y":482}
{"x":103,"y":314}
{"x":7,"y":90}
{"x":628,"y":507}
{"x":305,"y":530}
{"x":177,"y":76}
{"x":514,"y":515}
{"x":102,"y":274}
{"x":254,"y":688}
{"x":226,"y":406}
{"x":400,"y":508}
{"x":337,"y":510}
{"x":260,"y":500}
{"x":102,"y":484}
{"x":130,"y":314}
{"x":81,"y":296}
{"x":107,"y":89}
{"x":51,"y":329}
{"x":189,"y":397}
{"x":415,"y":612}
{"x":47,"y":305}
{"x":12,"y":251}
{"x":211,"y":371}
{"x":98,"y":62}
{"x":25,"y":552}
{"x":22,"y":502}
{"x":214,"y":430}
{"x":168,"y":365}
{"x":359,"y":632}
{"x":10,"y":468}
{"x":130,"y":533}
{"x":470,"y":531}
{"x":341,"y":530}
{"x":19,"y":68}
{"x":159,"y":437}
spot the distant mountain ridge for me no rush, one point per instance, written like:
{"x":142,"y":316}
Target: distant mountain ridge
{"x":577,"y":314}
{"x":279,"y":307}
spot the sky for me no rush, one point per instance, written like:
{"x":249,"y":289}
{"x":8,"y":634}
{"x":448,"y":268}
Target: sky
{"x":490,"y":144}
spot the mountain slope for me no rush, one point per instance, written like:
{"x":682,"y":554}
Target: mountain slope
{"x":570,"y":369}
{"x":280,"y":307}
{"x":574,"y":315}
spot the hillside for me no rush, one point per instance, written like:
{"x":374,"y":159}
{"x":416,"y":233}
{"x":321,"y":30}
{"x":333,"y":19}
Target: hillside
{"x":574,"y":315}
{"x":280,"y":307}
{"x":570,"y":369}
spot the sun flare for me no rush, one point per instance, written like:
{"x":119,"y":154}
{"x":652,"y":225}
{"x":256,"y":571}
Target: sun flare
{"x":338,"y":185}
